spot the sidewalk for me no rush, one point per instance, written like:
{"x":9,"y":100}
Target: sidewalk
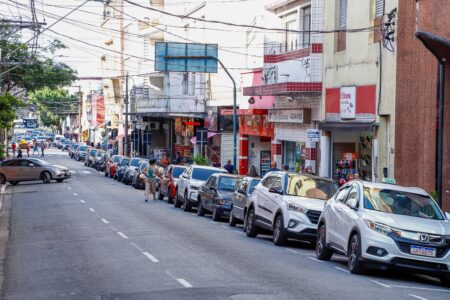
{"x":5,"y":211}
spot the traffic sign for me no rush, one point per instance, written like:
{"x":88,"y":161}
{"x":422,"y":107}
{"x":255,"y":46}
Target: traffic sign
{"x":313,"y":135}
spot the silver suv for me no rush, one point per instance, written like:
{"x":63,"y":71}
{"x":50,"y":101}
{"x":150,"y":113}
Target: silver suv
{"x":386,"y":226}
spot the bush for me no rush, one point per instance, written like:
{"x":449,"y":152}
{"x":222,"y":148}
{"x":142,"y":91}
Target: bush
{"x":434,"y":195}
{"x":200,"y":160}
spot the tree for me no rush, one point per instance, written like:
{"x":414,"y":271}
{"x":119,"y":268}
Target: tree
{"x":8,"y":106}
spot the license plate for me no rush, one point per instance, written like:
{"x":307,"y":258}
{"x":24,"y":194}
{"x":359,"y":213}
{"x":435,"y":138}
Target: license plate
{"x":424,"y":251}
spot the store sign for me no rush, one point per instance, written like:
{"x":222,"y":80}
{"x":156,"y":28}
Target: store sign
{"x":348,"y":102}
{"x":192,"y":123}
{"x":287,"y":116}
{"x":313,"y":135}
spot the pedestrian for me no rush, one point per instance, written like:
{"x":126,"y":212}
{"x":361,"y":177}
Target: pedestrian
{"x":27,"y":146}
{"x":309,"y":170}
{"x":14,"y":146}
{"x":229,"y":166}
{"x":35,"y":147}
{"x":286,"y":168}
{"x":42,"y":149}
{"x":178,"y":158}
{"x":273,"y":167}
{"x":19,"y":154}
{"x":150,"y":180}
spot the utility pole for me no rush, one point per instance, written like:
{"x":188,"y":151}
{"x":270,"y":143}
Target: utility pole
{"x":80,"y":112}
{"x":126,"y":115}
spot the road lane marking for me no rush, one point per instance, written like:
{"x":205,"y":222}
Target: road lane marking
{"x":380,"y":283}
{"x":315,"y":259}
{"x":82,"y":201}
{"x":184,"y":283}
{"x":291,"y":250}
{"x":113,"y":228}
{"x":342,"y":269}
{"x":419,"y":288}
{"x":122,"y":235}
{"x":417,"y":297}
{"x":86,"y":172}
{"x":92,"y":210}
{"x":69,"y":188}
{"x":104,"y":221}
{"x":136,"y":246}
{"x":151,"y":257}
{"x":224,"y":226}
{"x":75,"y":194}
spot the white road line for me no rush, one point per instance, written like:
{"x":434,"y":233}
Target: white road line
{"x":184,"y":283}
{"x":92,"y":210}
{"x":82,"y":201}
{"x":291,"y":250}
{"x":69,"y":188}
{"x":380,"y":283}
{"x":86,"y":172}
{"x":342,"y":269}
{"x":151,"y":257}
{"x":113,"y":228}
{"x":75,"y":194}
{"x":418,"y":288}
{"x":122,"y":235}
{"x":136,"y":246}
{"x":104,"y":221}
{"x":224,"y":226}
{"x":315,"y":259}
{"x":417,"y":297}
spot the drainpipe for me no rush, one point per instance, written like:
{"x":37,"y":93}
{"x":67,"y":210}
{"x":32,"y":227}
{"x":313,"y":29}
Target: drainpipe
{"x":440,"y":149}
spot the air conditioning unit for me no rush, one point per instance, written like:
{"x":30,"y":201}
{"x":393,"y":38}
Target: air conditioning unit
{"x":153,"y":126}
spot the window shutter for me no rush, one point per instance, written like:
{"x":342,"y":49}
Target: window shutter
{"x":379,"y":7}
{"x":342,"y":14}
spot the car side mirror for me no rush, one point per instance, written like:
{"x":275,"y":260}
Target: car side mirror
{"x":276,"y":190}
{"x":352,"y":203}
{"x":241,"y":191}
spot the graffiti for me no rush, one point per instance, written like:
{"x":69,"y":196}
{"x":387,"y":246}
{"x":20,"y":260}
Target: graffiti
{"x":305,"y":64}
{"x":271,"y":74}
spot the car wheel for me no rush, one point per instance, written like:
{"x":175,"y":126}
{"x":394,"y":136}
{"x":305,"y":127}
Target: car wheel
{"x":177,"y":202}
{"x":445,"y":280}
{"x":322,"y":251}
{"x":106,"y":174}
{"x":200,"y":210}
{"x":2,"y":179}
{"x":216,"y":216}
{"x":355,"y":265}
{"x":279,"y":232}
{"x":187,"y":203}
{"x":160,"y":195}
{"x":251,"y":229}
{"x":169,"y":200}
{"x":46,"y":177}
{"x":14,"y":182}
{"x":232,"y":221}
{"x":59,"y":180}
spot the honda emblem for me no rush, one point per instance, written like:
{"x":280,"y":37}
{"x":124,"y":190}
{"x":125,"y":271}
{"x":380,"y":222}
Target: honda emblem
{"x":424,"y":238}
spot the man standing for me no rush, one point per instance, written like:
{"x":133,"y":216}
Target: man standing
{"x":42,"y":149}
{"x":273,"y":167}
{"x":229,"y":167}
{"x":14,"y":146}
{"x":35,"y":147}
{"x":28,"y":149}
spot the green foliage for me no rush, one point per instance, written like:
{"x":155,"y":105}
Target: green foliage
{"x":35,"y":70}
{"x":434,"y":195}
{"x":2,"y":151}
{"x":8,"y":107}
{"x":200,"y":160}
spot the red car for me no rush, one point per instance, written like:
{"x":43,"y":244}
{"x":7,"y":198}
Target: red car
{"x":168,"y":183}
{"x":112,"y":164}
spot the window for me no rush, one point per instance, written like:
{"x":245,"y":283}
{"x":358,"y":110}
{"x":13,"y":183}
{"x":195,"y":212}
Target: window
{"x":267,"y":183}
{"x":185,"y":84}
{"x":191,"y":84}
{"x":340,"y":197}
{"x":291,"y":36}
{"x":252,"y":186}
{"x":176,"y":172}
{"x":203,"y":174}
{"x":277,"y":183}
{"x":228,"y":183}
{"x":210,"y":181}
{"x":243,"y":185}
{"x":342,"y":25}
{"x":307,"y":187}
{"x":306,"y":35}
{"x":11,"y":163}
{"x":353,"y":194}
{"x":379,"y":8}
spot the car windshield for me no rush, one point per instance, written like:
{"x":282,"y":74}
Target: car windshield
{"x":143,"y":165}
{"x":124,"y":162}
{"x":40,"y":162}
{"x":99,"y":154}
{"x":177,"y":171}
{"x":92,"y":152}
{"x":116,"y":159}
{"x":228,"y":183}
{"x":252,"y":185}
{"x":83,"y":148}
{"x":401,"y":203}
{"x":203,"y":174}
{"x":134,"y":162}
{"x":308,"y":187}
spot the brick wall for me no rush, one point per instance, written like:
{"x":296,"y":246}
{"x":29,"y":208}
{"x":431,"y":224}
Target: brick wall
{"x":416,"y":97}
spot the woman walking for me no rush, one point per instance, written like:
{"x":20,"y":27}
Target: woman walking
{"x":28,"y":149}
{"x":150,"y":180}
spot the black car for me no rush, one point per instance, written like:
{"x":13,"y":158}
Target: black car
{"x":215,"y":195}
{"x":241,"y":199}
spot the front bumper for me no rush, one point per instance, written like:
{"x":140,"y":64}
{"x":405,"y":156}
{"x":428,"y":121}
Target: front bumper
{"x":193,"y":195}
{"x":397,"y":255}
{"x":224,"y":210}
{"x":298,"y":226}
{"x":62,"y":175}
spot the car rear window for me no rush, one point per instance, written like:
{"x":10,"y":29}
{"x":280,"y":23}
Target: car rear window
{"x":308,"y":187}
{"x":177,"y":171}
{"x":116,"y":159}
{"x":83,"y":148}
{"x":124,"y":162}
{"x":228,"y":183}
{"x":252,"y":185}
{"x":203,"y":174}
{"x":92,"y":152}
{"x":134,"y":162}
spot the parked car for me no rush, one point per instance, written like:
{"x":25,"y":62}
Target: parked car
{"x":190,"y":182}
{"x":28,"y":169}
{"x":241,"y":200}
{"x":120,"y":169}
{"x":111,"y":165}
{"x":80,"y":154}
{"x":57,"y":140}
{"x":169,"y":181}
{"x":289,"y":205}
{"x":67,"y":144}
{"x":73,"y":149}
{"x":215,"y":195}
{"x":130,"y":171}
{"x":99,"y":159}
{"x":138,"y":182}
{"x":386,"y":226}
{"x":60,"y":143}
{"x":90,"y":155}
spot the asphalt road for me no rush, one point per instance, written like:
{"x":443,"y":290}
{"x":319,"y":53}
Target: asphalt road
{"x":94,"y":238}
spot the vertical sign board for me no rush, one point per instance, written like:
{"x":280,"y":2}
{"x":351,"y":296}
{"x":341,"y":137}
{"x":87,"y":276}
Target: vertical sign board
{"x":182,"y":57}
{"x":348,"y":102}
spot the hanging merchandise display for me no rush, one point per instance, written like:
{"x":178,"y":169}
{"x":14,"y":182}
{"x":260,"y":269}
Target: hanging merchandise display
{"x":365,"y":157}
{"x":344,"y":167}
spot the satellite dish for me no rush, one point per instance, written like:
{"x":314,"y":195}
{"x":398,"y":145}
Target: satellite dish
{"x":251,"y":100}
{"x":289,"y":99}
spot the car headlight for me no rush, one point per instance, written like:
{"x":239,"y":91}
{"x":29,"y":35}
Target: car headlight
{"x":194,"y":187}
{"x":295,"y":207}
{"x":57,"y":169}
{"x":381,"y":228}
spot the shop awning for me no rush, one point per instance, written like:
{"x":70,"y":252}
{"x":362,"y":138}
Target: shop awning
{"x":210,"y":135}
{"x":347,"y":126}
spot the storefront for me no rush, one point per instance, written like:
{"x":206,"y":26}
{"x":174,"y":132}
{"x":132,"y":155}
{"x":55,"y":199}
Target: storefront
{"x":350,"y":126}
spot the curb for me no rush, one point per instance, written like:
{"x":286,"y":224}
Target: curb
{"x":2,"y":194}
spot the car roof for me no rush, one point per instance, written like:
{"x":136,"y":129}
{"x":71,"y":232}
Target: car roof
{"x":208,"y":168}
{"x":303,"y":175}
{"x":394,"y":187}
{"x":227,"y":175}
{"x":178,"y":166}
